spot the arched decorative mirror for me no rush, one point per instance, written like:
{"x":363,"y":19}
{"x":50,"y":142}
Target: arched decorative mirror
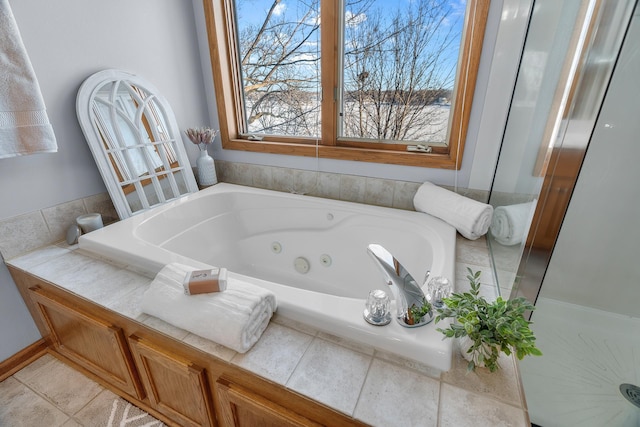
{"x":135,"y":141}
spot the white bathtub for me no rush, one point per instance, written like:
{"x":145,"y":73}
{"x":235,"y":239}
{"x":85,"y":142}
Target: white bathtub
{"x":260,"y":233}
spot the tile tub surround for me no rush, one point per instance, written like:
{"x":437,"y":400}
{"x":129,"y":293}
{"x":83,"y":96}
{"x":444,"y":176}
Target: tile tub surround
{"x":371,"y":386}
{"x":351,"y":188}
{"x":26,"y":232}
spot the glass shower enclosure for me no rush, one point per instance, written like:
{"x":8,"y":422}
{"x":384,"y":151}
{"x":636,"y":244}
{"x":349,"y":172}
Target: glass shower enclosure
{"x":567,"y":200}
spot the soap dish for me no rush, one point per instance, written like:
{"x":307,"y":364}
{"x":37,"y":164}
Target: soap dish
{"x":72,"y":234}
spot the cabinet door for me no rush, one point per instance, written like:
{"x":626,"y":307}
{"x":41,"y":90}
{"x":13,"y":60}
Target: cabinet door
{"x":241,"y":407}
{"x":175,"y":386}
{"x":96,"y":345}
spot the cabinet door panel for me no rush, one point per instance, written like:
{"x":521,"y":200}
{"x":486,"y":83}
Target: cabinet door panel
{"x":175,"y":386}
{"x":89,"y":341}
{"x":240,"y":407}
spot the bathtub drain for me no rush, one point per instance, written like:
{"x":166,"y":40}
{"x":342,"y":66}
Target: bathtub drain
{"x":631,"y":393}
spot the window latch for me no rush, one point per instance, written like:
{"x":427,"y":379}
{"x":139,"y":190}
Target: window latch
{"x":419,"y":148}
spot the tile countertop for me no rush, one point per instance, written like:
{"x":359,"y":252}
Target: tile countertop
{"x":364,"y":383}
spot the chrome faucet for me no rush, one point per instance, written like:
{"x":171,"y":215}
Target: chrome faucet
{"x":412,"y":307}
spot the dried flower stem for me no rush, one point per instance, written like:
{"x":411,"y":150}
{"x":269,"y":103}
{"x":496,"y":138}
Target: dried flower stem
{"x":201,"y":135}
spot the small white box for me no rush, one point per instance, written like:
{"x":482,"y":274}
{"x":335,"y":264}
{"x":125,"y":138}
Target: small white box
{"x":205,"y":281}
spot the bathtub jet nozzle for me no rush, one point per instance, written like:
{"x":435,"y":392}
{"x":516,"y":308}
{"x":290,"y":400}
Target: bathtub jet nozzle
{"x":413,"y":309}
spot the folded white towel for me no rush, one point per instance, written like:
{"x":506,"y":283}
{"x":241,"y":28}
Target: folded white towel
{"x":470,"y":217}
{"x":24,"y":125}
{"x":235,"y":318}
{"x":510,"y":224}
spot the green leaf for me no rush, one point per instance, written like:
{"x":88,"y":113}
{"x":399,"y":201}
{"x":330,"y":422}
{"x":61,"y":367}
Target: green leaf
{"x":499,"y":324}
{"x":471,"y":366}
{"x":535,"y":352}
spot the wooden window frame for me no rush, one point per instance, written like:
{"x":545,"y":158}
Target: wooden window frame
{"x":220,"y":25}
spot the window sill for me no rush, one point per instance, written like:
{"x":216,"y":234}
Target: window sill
{"x":371,"y":155}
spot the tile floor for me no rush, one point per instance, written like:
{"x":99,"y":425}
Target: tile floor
{"x":49,"y":393}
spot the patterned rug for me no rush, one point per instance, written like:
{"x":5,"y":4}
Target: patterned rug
{"x":124,"y":414}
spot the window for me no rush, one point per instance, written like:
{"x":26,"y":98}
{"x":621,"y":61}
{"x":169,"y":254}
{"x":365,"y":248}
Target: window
{"x":366,"y":80}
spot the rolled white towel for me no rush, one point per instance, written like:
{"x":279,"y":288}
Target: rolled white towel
{"x":510,"y":224}
{"x":470,"y":217}
{"x":235,"y":318}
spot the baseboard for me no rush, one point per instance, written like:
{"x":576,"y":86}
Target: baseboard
{"x":22,"y":358}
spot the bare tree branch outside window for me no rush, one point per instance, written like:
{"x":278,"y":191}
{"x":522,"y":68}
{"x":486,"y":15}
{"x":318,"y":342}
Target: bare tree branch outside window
{"x":279,"y":49}
{"x":398,"y":76}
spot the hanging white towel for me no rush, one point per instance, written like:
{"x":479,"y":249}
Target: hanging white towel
{"x":510,"y":224}
{"x":24,"y":124}
{"x":235,"y":318}
{"x":470,"y":217}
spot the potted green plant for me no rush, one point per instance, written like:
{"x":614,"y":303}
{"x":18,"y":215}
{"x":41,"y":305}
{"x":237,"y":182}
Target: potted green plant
{"x":488,"y":327}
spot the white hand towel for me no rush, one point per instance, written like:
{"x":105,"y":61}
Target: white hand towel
{"x":235,"y":318}
{"x":470,"y":217}
{"x":510,"y":224}
{"x":24,"y":124}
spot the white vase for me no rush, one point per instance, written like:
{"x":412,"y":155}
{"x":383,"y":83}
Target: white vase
{"x":465,"y":344}
{"x":206,"y":169}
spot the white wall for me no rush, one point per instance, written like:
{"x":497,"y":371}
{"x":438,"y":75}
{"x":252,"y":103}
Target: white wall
{"x":595,"y":261}
{"x":68,"y":40}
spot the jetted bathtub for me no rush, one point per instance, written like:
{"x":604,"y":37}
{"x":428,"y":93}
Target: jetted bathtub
{"x":311,"y":252}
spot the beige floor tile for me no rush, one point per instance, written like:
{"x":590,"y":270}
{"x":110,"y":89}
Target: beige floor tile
{"x":110,"y":410}
{"x":72,"y":423}
{"x":47,"y":376}
{"x":33,"y":368}
{"x":21,"y":406}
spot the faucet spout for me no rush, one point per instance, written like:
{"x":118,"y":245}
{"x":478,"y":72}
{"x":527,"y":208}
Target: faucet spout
{"x":412,"y":307}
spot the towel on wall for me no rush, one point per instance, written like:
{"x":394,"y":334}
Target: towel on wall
{"x":235,"y":318}
{"x":470,"y":217}
{"x":24,"y":124}
{"x":510,"y":224}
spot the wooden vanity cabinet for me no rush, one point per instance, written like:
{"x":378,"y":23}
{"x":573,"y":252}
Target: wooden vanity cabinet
{"x":177,"y":383}
{"x":241,"y":407}
{"x":92,"y":343}
{"x":175,"y":386}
